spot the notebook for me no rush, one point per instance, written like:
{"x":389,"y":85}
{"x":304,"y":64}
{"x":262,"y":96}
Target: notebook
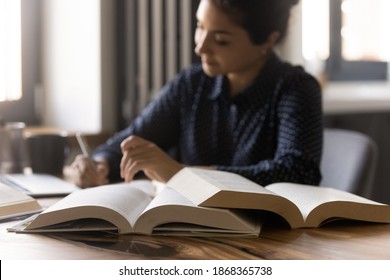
{"x":38,"y":185}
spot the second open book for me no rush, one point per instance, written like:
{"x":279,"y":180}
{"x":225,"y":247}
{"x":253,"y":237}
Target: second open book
{"x":198,"y":202}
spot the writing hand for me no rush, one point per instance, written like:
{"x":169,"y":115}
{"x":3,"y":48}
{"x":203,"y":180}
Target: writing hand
{"x":142,"y":155}
{"x":87,"y":173}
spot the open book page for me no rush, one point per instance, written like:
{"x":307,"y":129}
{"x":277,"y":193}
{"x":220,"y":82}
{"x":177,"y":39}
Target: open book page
{"x":318,"y":204}
{"x":192,"y":230}
{"x":14,"y":203}
{"x":69,"y":226}
{"x":213,"y":188}
{"x":171,"y":207}
{"x":199,"y":185}
{"x":120,"y":204}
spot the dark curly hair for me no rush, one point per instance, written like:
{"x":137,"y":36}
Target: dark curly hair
{"x":259,"y":17}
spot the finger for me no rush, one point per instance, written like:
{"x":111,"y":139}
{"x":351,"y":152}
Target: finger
{"x":88,"y":174}
{"x":86,"y":168}
{"x":136,"y":160}
{"x":78,"y":170}
{"x":84,"y":179}
{"x":132,"y":155}
{"x":133,"y":142}
{"x":127,"y":145}
{"x":129,"y":167}
{"x":124,"y":162}
{"x":134,"y":168}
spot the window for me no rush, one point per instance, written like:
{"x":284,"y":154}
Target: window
{"x":20,"y":60}
{"x":10,"y":50}
{"x":364,"y":31}
{"x":349,"y":36}
{"x":315,"y":34}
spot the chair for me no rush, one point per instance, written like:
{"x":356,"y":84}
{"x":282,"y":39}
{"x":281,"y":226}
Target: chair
{"x":348,"y":161}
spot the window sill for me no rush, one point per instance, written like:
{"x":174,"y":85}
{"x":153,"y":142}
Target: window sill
{"x":356,"y":97}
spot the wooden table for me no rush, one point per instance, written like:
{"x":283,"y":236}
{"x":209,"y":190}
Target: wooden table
{"x":348,"y":241}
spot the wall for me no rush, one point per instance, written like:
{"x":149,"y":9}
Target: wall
{"x":291,"y":48}
{"x":77,"y":82}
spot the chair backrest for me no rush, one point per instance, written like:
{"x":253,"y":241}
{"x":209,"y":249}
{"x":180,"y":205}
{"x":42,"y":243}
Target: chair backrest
{"x":348,"y":161}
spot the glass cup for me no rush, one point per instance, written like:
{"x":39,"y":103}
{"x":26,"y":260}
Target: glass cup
{"x":13,"y":157}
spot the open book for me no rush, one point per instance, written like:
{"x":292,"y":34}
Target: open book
{"x":200,"y":202}
{"x":300,"y":205}
{"x":14,"y":203}
{"x":134,"y":208}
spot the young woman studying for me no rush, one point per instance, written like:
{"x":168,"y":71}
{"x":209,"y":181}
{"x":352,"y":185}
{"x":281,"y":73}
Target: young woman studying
{"x":242,"y":109}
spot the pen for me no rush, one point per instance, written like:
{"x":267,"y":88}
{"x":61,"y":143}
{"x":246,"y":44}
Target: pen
{"x":84,"y":148}
{"x":82,"y":144}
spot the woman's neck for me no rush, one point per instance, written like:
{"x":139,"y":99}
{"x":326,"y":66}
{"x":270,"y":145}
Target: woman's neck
{"x":239,"y":81}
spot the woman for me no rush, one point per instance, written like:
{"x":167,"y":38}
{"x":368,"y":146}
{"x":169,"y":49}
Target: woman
{"x":241,"y":110}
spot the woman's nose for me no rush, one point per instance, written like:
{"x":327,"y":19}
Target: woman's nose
{"x":201,"y":42}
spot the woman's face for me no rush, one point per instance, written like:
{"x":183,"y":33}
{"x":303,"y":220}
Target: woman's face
{"x":224,"y":47}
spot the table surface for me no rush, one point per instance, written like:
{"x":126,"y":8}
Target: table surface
{"x":356,"y":97}
{"x":344,"y":240}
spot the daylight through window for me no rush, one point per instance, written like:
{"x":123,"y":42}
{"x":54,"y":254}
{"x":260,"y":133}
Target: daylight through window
{"x":10,"y":50}
{"x":364,"y":33}
{"x":348,"y":38}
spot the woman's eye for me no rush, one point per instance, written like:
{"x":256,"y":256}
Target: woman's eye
{"x":222,"y":43}
{"x":221,"y":40}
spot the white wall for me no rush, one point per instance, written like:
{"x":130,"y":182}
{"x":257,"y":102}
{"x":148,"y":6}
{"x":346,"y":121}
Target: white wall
{"x":75,"y":91}
{"x":291,"y":47}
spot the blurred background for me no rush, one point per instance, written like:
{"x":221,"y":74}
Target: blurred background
{"x":92,"y":65}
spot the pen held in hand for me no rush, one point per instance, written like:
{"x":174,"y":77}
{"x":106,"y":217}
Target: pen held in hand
{"x":84,"y":148}
{"x":82,"y":144}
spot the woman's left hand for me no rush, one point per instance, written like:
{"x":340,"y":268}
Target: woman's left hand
{"x":142,"y":155}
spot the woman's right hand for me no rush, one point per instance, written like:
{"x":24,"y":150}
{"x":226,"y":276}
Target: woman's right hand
{"x":87,"y":173}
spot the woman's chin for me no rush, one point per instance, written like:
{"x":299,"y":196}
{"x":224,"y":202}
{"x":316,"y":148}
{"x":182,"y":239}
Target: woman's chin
{"x":210,"y":70}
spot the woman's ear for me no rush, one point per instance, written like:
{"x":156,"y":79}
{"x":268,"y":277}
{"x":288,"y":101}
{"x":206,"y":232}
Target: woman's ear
{"x":270,"y":42}
{"x":272,"y":39}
